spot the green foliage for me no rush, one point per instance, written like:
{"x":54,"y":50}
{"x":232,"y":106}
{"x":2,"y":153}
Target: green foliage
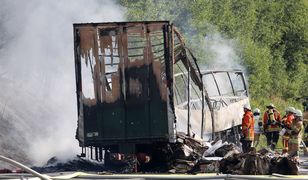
{"x":272,"y":39}
{"x":257,"y":60}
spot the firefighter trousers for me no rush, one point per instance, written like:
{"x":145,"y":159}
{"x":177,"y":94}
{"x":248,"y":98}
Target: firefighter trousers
{"x":285,"y":144}
{"x":246,"y":145}
{"x":272,"y":139}
{"x":294,"y":143}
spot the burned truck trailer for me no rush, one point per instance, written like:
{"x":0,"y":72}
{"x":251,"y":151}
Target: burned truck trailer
{"x":138,"y":85}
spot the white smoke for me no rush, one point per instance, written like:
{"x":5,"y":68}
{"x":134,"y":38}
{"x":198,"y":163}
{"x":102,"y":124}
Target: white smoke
{"x":222,"y":52}
{"x":37,"y":75}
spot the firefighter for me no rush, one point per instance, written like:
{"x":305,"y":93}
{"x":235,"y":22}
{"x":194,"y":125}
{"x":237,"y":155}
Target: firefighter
{"x":247,"y":129}
{"x":286,"y":122}
{"x":305,"y":121}
{"x":258,"y":128}
{"x":305,"y":138}
{"x":271,"y":121}
{"x":296,"y":132}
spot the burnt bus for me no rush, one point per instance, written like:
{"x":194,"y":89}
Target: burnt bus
{"x":138,"y":86}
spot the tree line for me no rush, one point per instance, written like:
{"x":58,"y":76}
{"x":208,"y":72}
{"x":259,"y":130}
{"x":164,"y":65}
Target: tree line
{"x":271,"y":36}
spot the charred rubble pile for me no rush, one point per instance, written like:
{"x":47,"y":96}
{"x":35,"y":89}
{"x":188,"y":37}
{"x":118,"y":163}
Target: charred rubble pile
{"x":85,"y":165}
{"x":194,"y":156}
{"x":76,"y":164}
{"x":190,"y":155}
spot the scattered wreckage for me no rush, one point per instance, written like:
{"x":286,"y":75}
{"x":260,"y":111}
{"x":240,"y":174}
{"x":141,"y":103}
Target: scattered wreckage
{"x":190,"y":156}
{"x":227,"y":158}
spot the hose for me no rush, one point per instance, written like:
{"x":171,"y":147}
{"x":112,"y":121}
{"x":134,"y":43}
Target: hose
{"x":25,"y":168}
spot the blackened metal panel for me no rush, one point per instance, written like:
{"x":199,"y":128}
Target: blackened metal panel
{"x":80,"y":123}
{"x":129,"y":82}
{"x":136,"y":80}
{"x":137,"y":108}
{"x":146,"y":108}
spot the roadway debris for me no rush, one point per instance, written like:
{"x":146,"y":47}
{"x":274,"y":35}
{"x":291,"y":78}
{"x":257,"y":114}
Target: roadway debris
{"x":193,"y":156}
{"x":75,"y":164}
{"x":190,"y":155}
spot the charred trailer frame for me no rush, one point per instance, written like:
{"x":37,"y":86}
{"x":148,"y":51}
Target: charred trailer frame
{"x":128,"y":68}
{"x":128,"y":96}
{"x":124,"y":82}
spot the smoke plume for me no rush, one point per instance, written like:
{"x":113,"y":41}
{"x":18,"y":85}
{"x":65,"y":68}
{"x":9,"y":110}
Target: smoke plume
{"x":221,"y":52}
{"x":38,"y":112}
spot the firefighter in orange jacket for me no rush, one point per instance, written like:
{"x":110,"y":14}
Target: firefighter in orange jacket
{"x":286,"y":122}
{"x":247,"y":129}
{"x":271,"y":121}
